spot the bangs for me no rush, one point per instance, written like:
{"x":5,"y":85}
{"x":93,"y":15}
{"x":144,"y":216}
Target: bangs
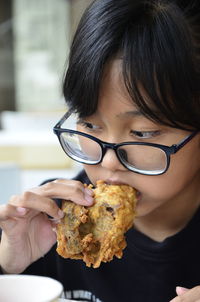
{"x":159,"y":71}
{"x":159,"y":57}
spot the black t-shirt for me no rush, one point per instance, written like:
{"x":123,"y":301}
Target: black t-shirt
{"x":148,"y":272}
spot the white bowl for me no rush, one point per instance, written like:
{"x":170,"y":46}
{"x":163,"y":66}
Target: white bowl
{"x":29,"y":288}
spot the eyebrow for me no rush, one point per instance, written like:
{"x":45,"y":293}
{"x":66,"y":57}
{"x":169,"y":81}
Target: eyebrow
{"x":133,"y":113}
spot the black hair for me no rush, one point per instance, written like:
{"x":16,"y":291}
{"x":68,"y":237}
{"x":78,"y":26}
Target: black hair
{"x":159,"y":42}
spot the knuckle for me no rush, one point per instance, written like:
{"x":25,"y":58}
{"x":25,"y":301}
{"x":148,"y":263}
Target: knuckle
{"x":25,"y":196}
{"x":13,"y":198}
{"x":48,"y":187}
{"x":78,"y":186}
{"x":5,"y":211}
{"x":59,"y":180}
{"x":78,"y":192}
{"x":48,"y":207}
{"x":79,"y":183}
{"x":51,"y":206}
{"x":21,"y":200}
{"x":56,"y":181}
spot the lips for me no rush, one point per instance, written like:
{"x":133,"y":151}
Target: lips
{"x":115,"y":182}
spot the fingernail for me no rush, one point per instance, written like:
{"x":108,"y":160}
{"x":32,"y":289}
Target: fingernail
{"x":55,"y":220}
{"x":89,"y":192}
{"x":21,"y":210}
{"x":61,"y":214}
{"x":89,"y":199}
{"x":181,"y":290}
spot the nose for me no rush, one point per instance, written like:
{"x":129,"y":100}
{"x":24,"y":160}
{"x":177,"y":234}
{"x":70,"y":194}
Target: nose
{"x":111,"y":162}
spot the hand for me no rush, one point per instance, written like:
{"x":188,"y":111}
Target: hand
{"x":187,"y":295}
{"x":27,"y":232}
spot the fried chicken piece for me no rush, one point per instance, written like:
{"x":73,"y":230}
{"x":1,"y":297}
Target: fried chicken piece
{"x":96,"y":234}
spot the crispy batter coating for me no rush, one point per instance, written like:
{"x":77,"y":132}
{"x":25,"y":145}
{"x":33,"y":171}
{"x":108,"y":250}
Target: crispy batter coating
{"x":96,"y":234}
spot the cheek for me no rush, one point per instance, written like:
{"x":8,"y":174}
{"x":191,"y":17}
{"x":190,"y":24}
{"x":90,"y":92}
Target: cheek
{"x":161,"y":188}
{"x":92,"y":172}
{"x":184,"y":168}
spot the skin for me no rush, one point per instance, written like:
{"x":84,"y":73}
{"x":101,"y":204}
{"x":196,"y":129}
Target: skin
{"x":27,"y":233}
{"x":110,"y":123}
{"x":161,"y":211}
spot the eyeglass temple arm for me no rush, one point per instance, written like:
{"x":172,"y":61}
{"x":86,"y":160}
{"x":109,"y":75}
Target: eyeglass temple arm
{"x":63,"y":119}
{"x":184,"y":141}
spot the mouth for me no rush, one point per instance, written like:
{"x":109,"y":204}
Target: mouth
{"x":115,"y":182}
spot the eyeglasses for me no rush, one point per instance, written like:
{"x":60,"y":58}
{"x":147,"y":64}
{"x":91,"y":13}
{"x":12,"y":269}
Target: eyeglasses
{"x":139,"y":157}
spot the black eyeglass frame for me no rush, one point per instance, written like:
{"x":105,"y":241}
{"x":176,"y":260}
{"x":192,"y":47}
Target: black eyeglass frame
{"x":168,"y":150}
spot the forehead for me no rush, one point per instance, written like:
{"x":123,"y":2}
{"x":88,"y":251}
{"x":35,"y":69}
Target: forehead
{"x":113,"y":95}
{"x":112,"y":82}
{"x":112,"y":87}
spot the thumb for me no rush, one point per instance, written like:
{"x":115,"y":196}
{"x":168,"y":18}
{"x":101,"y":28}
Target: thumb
{"x":181,"y":290}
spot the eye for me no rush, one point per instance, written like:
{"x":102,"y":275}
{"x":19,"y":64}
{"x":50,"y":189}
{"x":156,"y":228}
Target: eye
{"x":88,"y":125}
{"x":145,"y":134}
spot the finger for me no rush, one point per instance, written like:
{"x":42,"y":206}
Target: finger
{"x":33,"y":201}
{"x":181,"y":290}
{"x":191,"y":295}
{"x":8,"y":211}
{"x":76,"y":190}
{"x":9,"y":215}
{"x":68,"y":190}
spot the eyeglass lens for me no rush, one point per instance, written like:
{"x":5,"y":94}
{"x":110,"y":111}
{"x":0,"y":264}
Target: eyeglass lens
{"x":80,"y":147}
{"x":134,"y":157}
{"x":143,"y":157}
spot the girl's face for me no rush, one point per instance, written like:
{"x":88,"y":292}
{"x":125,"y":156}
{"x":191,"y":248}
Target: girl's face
{"x":118,"y":120}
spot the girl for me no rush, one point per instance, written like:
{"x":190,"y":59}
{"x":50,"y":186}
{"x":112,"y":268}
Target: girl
{"x":133,"y":85}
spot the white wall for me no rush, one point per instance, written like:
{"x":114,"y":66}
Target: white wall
{"x":41,"y":44}
{"x":77,"y":8}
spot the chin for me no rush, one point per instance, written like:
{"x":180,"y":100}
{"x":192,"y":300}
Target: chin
{"x":144,"y":208}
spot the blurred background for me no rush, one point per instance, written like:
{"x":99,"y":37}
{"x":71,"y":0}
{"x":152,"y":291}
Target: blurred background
{"x":35,"y":37}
